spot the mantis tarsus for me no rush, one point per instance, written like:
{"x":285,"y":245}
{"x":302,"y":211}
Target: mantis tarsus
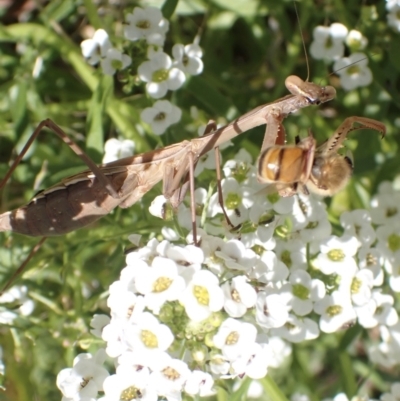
{"x":83,"y":198}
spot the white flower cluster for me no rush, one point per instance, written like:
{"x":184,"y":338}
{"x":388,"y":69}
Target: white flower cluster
{"x":329,"y":44}
{"x":16,"y":303}
{"x":185,"y":316}
{"x":393,"y":16}
{"x":160,"y":72}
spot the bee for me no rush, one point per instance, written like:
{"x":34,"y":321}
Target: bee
{"x":307,"y":168}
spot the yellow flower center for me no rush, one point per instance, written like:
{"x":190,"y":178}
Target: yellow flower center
{"x":161,"y":284}
{"x":232,"y":338}
{"x":300,"y":291}
{"x":394,"y":242}
{"x":143,"y":24}
{"x":355,"y":285}
{"x":334,"y":310}
{"x":149,"y":339}
{"x":130,"y":394}
{"x":160,"y":75}
{"x":232,"y":201}
{"x":171,"y":374}
{"x":201,"y":294}
{"x":336,"y":255}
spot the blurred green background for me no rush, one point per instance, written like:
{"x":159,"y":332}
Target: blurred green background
{"x":250,"y":47}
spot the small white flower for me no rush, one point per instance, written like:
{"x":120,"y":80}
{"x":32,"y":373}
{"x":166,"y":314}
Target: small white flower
{"x":381,"y":311}
{"x":233,"y":337}
{"x":391,"y":3}
{"x":219,"y":365}
{"x":129,"y":383}
{"x":147,"y":23}
{"x":183,"y":256}
{"x":270,"y":269}
{"x":113,"y":61}
{"x":335,"y":310}
{"x":236,"y":256}
{"x":169,"y":377}
{"x":305,"y":291}
{"x":85,"y":378}
{"x":297,"y":330}
{"x":239,"y":165}
{"x":254,"y":362}
{"x":98,"y":323}
{"x":264,"y":221}
{"x":371,"y":258}
{"x":160,"y":75}
{"x":145,"y":253}
{"x":96,"y":48}
{"x":237,"y":198}
{"x":188,"y":58}
{"x":159,"y":283}
{"x":184,"y":212}
{"x":357,"y":223}
{"x":385,"y":207}
{"x":292,"y":253}
{"x":388,"y":241}
{"x":393,"y":18}
{"x":337,"y":255}
{"x":111,"y":334}
{"x":17,"y":295}
{"x":239,"y":296}
{"x":161,"y":116}
{"x":148,"y":335}
{"x":315,"y":225}
{"x":361,"y":287}
{"x":392,"y":268}
{"x":207,"y":161}
{"x":328,"y":42}
{"x":202,"y":296}
{"x":356,"y":41}
{"x":200,"y":383}
{"x":271,"y":309}
{"x":115,"y":149}
{"x":387,"y":353}
{"x":157,"y":207}
{"x":353,"y":71}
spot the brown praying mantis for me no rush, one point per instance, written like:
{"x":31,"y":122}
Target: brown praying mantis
{"x":84,"y":198}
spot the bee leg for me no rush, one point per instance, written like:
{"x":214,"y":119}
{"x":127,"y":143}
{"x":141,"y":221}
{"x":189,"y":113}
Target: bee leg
{"x":305,"y":190}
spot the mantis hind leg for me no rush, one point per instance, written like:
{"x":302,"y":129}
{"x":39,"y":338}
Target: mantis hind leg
{"x":73,"y":145}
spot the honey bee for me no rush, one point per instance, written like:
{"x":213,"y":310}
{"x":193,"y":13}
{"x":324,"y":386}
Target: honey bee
{"x":307,"y":168}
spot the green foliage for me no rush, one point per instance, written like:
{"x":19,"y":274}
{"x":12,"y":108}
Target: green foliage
{"x":250,"y":47}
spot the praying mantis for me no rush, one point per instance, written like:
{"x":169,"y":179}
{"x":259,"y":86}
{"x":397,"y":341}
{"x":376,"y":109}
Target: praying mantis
{"x":84,"y":198}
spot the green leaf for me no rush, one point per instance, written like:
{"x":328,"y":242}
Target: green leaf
{"x":18,"y":94}
{"x":58,"y":10}
{"x":168,"y":8}
{"x":95,"y":138}
{"x":212,"y":99}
